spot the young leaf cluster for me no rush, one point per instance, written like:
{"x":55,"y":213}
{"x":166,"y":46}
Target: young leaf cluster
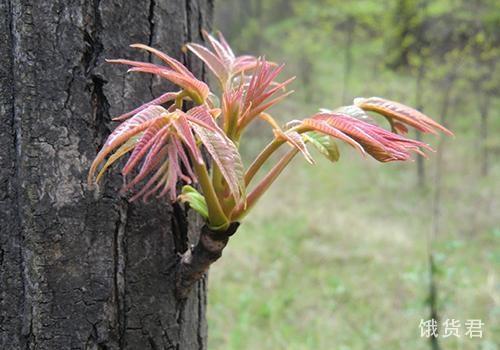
{"x":163,"y":139}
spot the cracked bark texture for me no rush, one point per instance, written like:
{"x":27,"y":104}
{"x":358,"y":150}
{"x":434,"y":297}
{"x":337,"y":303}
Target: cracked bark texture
{"x":81,"y":269}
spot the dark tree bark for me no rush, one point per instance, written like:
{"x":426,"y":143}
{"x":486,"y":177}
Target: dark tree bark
{"x":196,"y":261}
{"x":82,"y":269}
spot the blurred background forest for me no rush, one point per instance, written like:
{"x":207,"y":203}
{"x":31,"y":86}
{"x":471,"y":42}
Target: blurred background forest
{"x":355,"y":255}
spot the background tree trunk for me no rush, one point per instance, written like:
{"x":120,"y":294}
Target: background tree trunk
{"x":419,"y":89}
{"x":484,"y":112}
{"x":83,"y":269}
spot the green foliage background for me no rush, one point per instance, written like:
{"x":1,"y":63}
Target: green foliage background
{"x":337,"y":257}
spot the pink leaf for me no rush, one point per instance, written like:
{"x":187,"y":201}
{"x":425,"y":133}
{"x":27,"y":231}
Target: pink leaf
{"x":184,"y":131}
{"x":211,"y":60}
{"x":226,"y":56}
{"x":172,"y":62}
{"x":125,"y":131}
{"x":295,"y":140}
{"x":226,"y":156}
{"x":169,"y":96}
{"x":325,"y":128}
{"x":146,"y":141}
{"x":402,"y":113}
{"x":201,"y":116}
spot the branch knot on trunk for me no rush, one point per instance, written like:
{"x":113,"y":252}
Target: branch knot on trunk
{"x":196,"y":261}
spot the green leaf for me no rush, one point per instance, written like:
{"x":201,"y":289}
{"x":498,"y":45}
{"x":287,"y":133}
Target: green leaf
{"x":195,"y":200}
{"x":324,"y":144}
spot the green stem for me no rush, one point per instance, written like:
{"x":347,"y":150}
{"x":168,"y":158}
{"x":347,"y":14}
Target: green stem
{"x":261,"y":159}
{"x":221,"y":190}
{"x":217,"y":180}
{"x":217,"y":219}
{"x":266,"y":153}
{"x":230,"y":125}
{"x":242,"y":209}
{"x":179,"y":100}
{"x":243,"y":123}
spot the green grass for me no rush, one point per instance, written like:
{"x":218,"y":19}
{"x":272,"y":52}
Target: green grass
{"x":335,"y":257}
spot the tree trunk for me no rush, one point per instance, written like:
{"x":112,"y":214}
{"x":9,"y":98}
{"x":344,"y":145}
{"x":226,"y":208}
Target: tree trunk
{"x":484,"y":111}
{"x":436,"y":212}
{"x":418,"y":134}
{"x":85,"y":269}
